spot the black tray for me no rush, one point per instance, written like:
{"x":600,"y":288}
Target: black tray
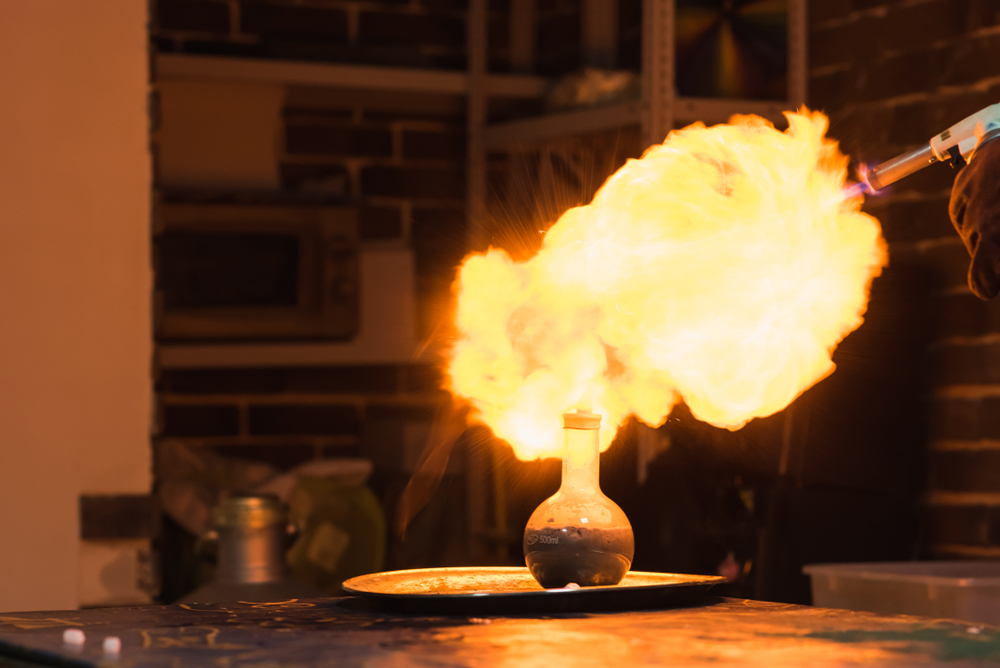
{"x":496,"y":590}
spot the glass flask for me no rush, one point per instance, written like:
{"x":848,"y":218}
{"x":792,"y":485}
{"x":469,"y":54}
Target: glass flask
{"x":578,"y":535}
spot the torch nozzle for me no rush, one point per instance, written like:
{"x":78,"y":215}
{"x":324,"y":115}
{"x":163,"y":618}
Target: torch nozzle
{"x":901,"y":166}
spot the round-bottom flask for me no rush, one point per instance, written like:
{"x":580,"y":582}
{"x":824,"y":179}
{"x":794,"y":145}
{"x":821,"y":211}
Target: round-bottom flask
{"x":579,"y":535}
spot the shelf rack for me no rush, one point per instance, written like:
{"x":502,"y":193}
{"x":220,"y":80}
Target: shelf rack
{"x":657,"y":112}
{"x":172,"y":66}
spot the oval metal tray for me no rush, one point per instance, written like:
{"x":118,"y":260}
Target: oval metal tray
{"x":510,"y":590}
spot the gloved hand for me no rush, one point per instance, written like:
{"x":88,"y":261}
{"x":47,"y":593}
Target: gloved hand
{"x":975,"y":213}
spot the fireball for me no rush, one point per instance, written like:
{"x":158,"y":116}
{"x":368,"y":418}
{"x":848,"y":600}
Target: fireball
{"x":720,"y":269}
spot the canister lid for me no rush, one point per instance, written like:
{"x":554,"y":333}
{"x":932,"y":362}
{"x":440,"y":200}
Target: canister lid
{"x":581,"y":420}
{"x":250,"y":512}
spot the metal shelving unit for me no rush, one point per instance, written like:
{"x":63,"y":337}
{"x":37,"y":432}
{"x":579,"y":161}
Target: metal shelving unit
{"x":657,"y":112}
{"x":171,"y":66}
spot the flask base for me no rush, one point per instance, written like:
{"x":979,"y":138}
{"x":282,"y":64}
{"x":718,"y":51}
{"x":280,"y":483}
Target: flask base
{"x":556,"y":569}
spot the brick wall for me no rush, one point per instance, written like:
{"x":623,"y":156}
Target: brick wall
{"x":424,"y":33}
{"x":891,"y":75}
{"x":400,"y":159}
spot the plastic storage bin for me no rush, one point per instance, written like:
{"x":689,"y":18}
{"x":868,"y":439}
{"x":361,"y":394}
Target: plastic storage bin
{"x":967,"y":590}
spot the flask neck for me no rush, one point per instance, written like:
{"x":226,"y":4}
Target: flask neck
{"x":581,"y":461}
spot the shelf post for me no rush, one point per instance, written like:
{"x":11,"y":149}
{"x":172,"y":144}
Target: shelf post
{"x":476,"y":480}
{"x":475,"y":196}
{"x":522,"y":36}
{"x":798,"y":66}
{"x":599,"y":33}
{"x":657,"y":70}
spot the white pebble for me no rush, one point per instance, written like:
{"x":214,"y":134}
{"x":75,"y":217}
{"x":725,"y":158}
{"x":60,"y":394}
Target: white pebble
{"x":112,"y":645}
{"x":74,"y":637}
{"x":572,"y":585}
{"x":974,"y":630}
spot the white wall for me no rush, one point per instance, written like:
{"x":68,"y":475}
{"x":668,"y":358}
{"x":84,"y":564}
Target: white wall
{"x":75,"y":280}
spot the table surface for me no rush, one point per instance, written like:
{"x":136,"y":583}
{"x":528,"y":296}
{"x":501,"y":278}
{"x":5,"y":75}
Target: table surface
{"x":343,"y":632}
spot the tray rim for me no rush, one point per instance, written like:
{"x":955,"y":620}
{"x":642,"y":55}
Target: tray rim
{"x":702,"y":581}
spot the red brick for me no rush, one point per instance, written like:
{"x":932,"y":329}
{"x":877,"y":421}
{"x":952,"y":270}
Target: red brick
{"x":219,"y":48}
{"x":498,"y":33}
{"x":934,"y":179}
{"x":303,"y":420}
{"x":454,"y":115}
{"x":411,"y":29}
{"x":220,"y":381}
{"x":282,"y":457}
{"x":118,"y":516}
{"x":912,"y":25}
{"x":914,"y":72}
{"x":954,"y":419}
{"x":966,"y":315}
{"x":369,"y":379}
{"x":857,"y":41}
{"x":832,"y":90}
{"x":286,"y":22}
{"x":441,"y":5}
{"x":304,"y":115}
{"x":321,"y":179}
{"x":338,"y":140}
{"x":862,"y":5}
{"x":965,"y":364}
{"x":379,"y":223}
{"x":962,"y":525}
{"x":256,"y":381}
{"x":983,"y":14}
{"x":950,"y":110}
{"x":630,"y":34}
{"x":972,"y":60}
{"x":911,"y":124}
{"x":193,"y":15}
{"x":972,"y":471}
{"x":989,"y":417}
{"x":423,"y":182}
{"x":434,"y":145}
{"x":914,"y":220}
{"x":558,"y":41}
{"x":438,"y":237}
{"x":212,"y":420}
{"x":822,"y":11}
{"x":863,"y":133}
{"x":944,"y":266}
{"x":422,"y":378}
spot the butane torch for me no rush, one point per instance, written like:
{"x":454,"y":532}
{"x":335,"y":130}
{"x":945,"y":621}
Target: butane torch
{"x":955,"y":145}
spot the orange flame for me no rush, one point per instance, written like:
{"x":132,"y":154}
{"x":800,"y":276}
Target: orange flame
{"x":721,"y":268}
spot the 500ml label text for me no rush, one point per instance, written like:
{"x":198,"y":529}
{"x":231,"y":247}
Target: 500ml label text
{"x":549,"y":540}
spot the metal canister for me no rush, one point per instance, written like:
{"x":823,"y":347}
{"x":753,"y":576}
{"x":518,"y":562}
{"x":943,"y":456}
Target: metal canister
{"x":253,"y":534}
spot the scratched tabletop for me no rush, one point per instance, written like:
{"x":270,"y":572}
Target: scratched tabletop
{"x":343,"y":632}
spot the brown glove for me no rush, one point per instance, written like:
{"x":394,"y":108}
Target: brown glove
{"x":975,"y":213}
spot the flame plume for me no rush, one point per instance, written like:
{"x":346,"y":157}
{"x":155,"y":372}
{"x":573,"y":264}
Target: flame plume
{"x":722,"y":269}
